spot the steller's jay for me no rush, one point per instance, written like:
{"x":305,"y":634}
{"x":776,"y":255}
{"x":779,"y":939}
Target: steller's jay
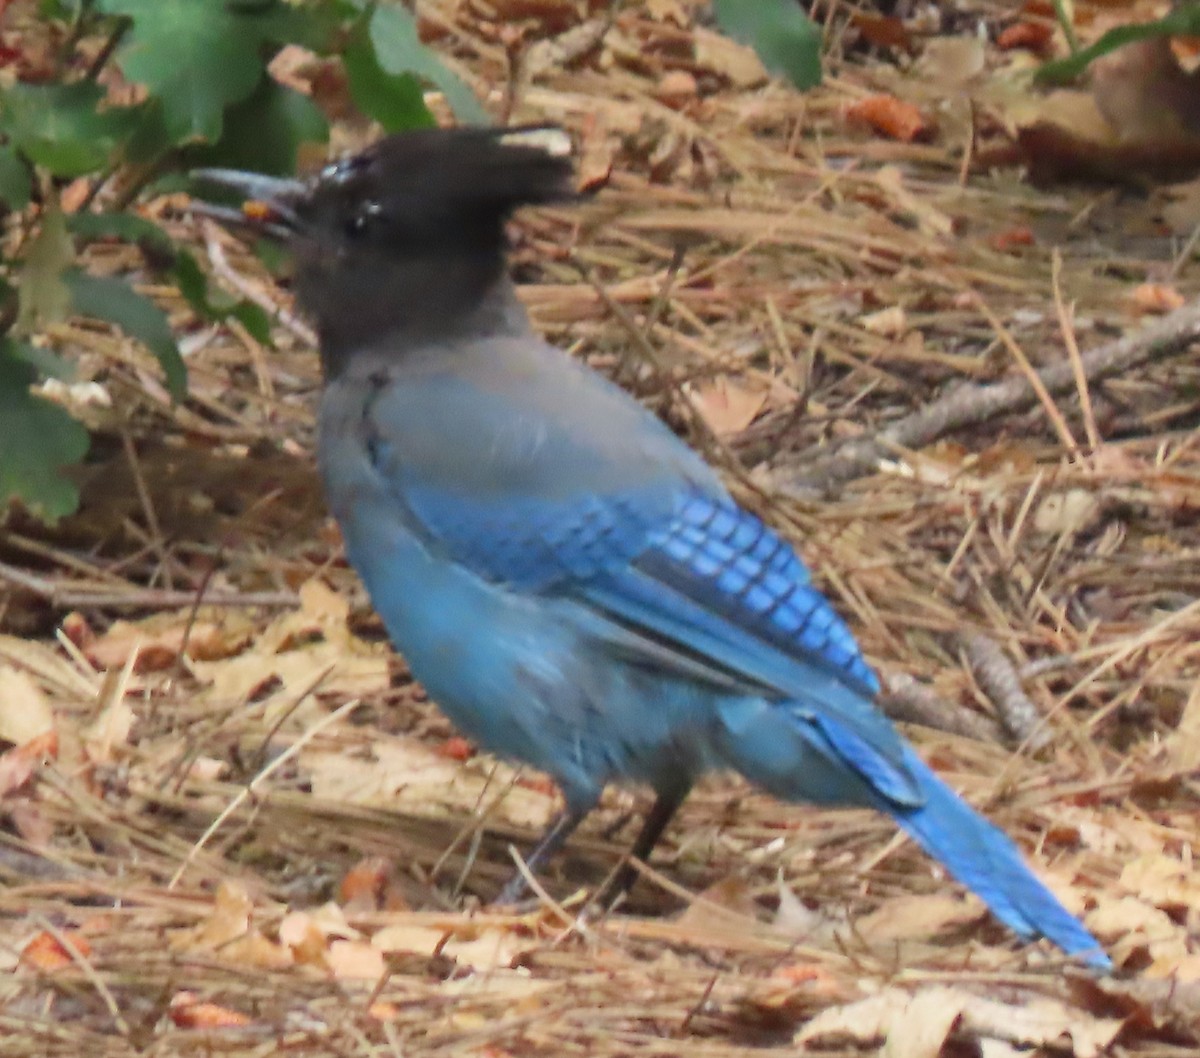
{"x":571,"y":583}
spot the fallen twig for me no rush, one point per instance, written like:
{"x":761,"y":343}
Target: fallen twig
{"x":970,"y":403}
{"x":907,"y":700}
{"x":62,"y":594}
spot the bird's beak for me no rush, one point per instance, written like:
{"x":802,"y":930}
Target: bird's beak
{"x":269,"y":202}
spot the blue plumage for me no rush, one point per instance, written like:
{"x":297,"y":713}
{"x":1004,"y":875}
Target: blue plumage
{"x":572,"y":584}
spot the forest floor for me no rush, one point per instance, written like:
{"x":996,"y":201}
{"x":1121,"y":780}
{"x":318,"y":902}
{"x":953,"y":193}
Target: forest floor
{"x":243,"y":830}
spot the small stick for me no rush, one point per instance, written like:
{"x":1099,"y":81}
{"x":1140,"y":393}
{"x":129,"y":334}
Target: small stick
{"x":970,"y":404}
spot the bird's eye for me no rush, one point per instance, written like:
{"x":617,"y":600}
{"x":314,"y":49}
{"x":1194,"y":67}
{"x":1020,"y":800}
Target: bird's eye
{"x":342,"y":172}
{"x":362,"y":219}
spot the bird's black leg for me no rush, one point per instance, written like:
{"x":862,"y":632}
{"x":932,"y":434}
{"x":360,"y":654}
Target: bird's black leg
{"x":561,"y":827}
{"x":661,"y":812}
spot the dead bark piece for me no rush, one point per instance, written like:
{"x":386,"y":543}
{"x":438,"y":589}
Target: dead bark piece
{"x":912,"y":702}
{"x":997,"y":678}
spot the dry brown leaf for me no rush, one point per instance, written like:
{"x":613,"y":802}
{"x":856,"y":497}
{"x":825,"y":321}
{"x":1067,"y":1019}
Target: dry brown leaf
{"x":362,"y":888}
{"x":597,"y":153}
{"x":922,"y":1027}
{"x":253,"y":949}
{"x":1184,"y":742}
{"x":727,"y":406}
{"x":950,"y":64}
{"x":31,"y":821}
{"x":1164,"y":880}
{"x":355,"y":960}
{"x":493,"y":949}
{"x":410,"y":938}
{"x":721,"y":906}
{"x":158,"y":640}
{"x":735,"y":62}
{"x":405,"y":774}
{"x":311,"y":646}
{"x":18,"y":764}
{"x":326,"y":921}
{"x":668,"y":11}
{"x":889,"y":323}
{"x":306,"y":942}
{"x":25,"y":712}
{"x":228,"y":920}
{"x":917,"y":917}
{"x":676,"y":89}
{"x":1072,"y":511}
{"x":1036,"y":1021}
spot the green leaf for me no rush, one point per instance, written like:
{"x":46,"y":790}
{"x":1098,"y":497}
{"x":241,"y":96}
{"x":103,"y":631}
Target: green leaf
{"x":39,"y":439}
{"x":396,"y":101}
{"x":274,"y":256}
{"x":112,"y":299}
{"x":16,"y":183}
{"x":779,"y":31}
{"x":149,"y":138}
{"x":128,"y":227}
{"x":255,"y":319}
{"x":59,"y":126}
{"x":196,"y":56}
{"x":46,"y":362}
{"x":193,"y":285}
{"x":316,"y":27}
{"x":264,"y":132}
{"x":45,"y":297}
{"x":398,"y":50}
{"x":1185,"y":22}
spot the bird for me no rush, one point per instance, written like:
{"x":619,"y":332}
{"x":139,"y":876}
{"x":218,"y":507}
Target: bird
{"x":570,"y":581}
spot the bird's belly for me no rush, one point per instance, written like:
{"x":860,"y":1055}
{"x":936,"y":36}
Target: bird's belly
{"x":516,"y":674}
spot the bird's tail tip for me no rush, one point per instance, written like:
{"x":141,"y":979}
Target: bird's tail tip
{"x":987,"y":861}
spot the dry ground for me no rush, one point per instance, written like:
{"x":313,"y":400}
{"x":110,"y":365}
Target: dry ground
{"x":258,"y":838}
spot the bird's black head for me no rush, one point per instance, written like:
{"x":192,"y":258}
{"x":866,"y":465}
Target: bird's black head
{"x":409,"y":233}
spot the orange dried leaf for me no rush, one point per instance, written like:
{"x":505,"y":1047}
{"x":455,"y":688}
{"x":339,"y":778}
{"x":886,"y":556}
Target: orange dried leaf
{"x":1156,"y":299}
{"x":1032,"y":36}
{"x":727,"y":406}
{"x":456,"y":748}
{"x":884,"y":31}
{"x":18,"y":764}
{"x":364,"y":884}
{"x":890,"y":117}
{"x":1013,"y":238}
{"x":45,"y":952}
{"x":190,"y":1013}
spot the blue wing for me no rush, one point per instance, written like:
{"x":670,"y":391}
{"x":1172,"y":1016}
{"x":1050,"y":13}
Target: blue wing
{"x":627,"y":521}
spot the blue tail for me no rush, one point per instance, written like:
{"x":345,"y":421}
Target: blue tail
{"x":986,"y":861}
{"x":800,"y":756}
